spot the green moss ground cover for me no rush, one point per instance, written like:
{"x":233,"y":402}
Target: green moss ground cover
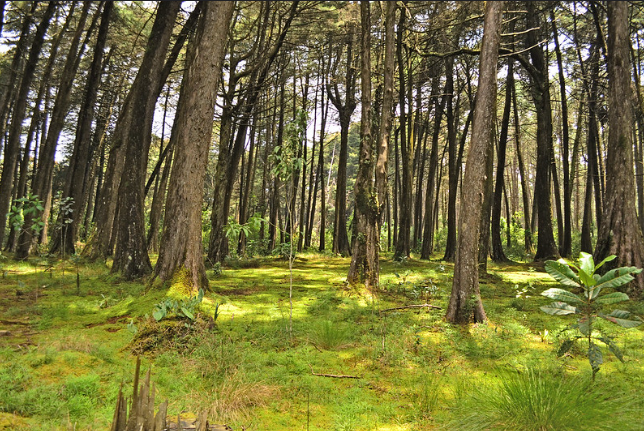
{"x":69,"y":349}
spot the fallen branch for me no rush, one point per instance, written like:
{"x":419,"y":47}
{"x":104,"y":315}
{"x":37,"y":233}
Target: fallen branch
{"x":412,"y":306}
{"x":335,"y":376}
{"x":13,"y":322}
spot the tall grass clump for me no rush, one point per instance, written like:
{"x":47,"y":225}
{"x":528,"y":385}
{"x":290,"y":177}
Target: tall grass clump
{"x":539,"y":401}
{"x":329,"y":335}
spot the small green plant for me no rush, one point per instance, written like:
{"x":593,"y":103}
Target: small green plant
{"x":284,"y":251}
{"x":28,"y":207}
{"x":521,"y":296}
{"x":184,"y":309}
{"x":589,"y":306}
{"x":216,"y":269}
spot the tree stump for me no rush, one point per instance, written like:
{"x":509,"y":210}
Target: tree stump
{"x":141,"y":415}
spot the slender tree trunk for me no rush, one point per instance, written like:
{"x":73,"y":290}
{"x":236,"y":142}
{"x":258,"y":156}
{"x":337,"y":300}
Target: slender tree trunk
{"x":158,"y":201}
{"x":403,"y":243}
{"x":79,"y":162}
{"x":497,"y":254}
{"x":340,"y":237}
{"x":565,"y":246}
{"x":430,"y":207}
{"x":525,"y":190}
{"x":453,"y":168}
{"x":12,"y":148}
{"x":546,"y":246}
{"x":465,"y":302}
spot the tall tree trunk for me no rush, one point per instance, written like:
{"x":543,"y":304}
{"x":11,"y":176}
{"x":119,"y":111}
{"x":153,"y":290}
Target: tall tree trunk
{"x":131,"y":254}
{"x":403,"y":243}
{"x":462,"y":307}
{"x":76,"y":175}
{"x":619,"y":232}
{"x":497,"y":254}
{"x":340,"y":238}
{"x":42,"y":185}
{"x":565,"y":246}
{"x":323,"y":185}
{"x":453,"y":168}
{"x":370,"y":193}
{"x":7,"y":93}
{"x":181,"y":255}
{"x":525,"y":191}
{"x":540,"y":89}
{"x":12,"y":148}
{"x":430,"y":207}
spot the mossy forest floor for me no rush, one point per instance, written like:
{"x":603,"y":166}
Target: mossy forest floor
{"x":68,"y":349}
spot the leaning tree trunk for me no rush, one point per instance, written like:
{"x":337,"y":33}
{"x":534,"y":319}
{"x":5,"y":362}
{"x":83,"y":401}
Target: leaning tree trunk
{"x":462,"y":308}
{"x":79,"y":162}
{"x":181,"y":255}
{"x":42,"y":182}
{"x":619,"y":232}
{"x":131,"y":254}
{"x":12,"y":148}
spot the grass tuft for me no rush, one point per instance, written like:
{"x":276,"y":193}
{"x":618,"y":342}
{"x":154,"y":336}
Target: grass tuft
{"x":538,"y":401}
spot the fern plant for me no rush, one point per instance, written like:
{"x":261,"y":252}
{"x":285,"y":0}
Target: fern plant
{"x":589,"y":306}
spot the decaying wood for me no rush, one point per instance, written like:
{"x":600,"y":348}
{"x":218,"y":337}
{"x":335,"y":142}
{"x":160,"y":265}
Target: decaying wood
{"x":412,"y":306}
{"x":142,"y":417}
{"x":335,"y":376}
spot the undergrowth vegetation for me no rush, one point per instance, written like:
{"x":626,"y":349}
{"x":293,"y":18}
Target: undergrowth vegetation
{"x":356,"y":361}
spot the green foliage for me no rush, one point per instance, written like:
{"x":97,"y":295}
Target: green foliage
{"x":285,"y":157}
{"x":588,"y":308}
{"x":522,"y":294}
{"x":284,"y":251}
{"x":538,"y":400}
{"x":27,"y":208}
{"x":183,"y":309}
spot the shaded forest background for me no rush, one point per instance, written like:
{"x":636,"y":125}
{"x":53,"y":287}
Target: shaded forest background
{"x":100,"y":99}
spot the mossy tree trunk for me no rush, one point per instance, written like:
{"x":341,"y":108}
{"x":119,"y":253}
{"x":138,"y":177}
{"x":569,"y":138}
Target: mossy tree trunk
{"x":181,"y":244}
{"x":465,"y":302}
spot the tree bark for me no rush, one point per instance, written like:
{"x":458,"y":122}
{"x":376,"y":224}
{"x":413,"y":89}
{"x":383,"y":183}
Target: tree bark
{"x":565,"y":247}
{"x":465,"y":302}
{"x":540,"y":90}
{"x":369,"y":192}
{"x":619,"y":232}
{"x":131,"y":254}
{"x":181,"y":255}
{"x":403,"y":242}
{"x":497,"y":254}
{"x":340,"y":237}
